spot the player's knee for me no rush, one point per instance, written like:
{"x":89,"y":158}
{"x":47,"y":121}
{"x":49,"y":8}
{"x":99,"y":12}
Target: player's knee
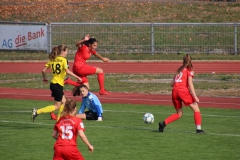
{"x":99,"y":70}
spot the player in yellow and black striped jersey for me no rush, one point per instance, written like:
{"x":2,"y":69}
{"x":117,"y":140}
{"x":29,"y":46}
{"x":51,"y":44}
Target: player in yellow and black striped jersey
{"x":59,"y":66}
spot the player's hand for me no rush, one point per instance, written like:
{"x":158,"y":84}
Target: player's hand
{"x":196,"y":99}
{"x":90,"y":148}
{"x":106,"y":60}
{"x":45,"y":81}
{"x":99,"y":119}
{"x":87,"y":37}
{"x":79,"y":79}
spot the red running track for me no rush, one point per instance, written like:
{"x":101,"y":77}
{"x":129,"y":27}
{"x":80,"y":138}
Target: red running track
{"x":128,"y":68}
{"x":130,"y":98}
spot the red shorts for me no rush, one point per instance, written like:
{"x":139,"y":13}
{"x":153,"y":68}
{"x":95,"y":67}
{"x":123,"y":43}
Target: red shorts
{"x":83,"y":71}
{"x":67,"y":153}
{"x":181,"y":95}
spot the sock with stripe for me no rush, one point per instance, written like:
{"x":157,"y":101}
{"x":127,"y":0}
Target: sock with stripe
{"x":198,"y":120}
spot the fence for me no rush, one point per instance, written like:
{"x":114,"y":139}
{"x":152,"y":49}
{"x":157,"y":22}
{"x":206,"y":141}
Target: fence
{"x":151,"y":37}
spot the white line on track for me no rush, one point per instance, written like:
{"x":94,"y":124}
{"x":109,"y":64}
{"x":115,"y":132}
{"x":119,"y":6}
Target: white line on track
{"x":122,"y":127}
{"x":116,"y":111}
{"x":129,"y":99}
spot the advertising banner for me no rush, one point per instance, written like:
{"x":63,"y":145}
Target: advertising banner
{"x":23,"y":37}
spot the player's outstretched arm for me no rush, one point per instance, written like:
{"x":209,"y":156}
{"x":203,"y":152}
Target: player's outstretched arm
{"x":80,"y":42}
{"x":85,"y":140}
{"x":44,"y":74}
{"x":104,"y":59}
{"x":192,"y":90}
{"x":74,"y":75}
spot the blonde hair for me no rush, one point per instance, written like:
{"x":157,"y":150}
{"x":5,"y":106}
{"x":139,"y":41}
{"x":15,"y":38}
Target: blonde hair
{"x":56,"y":51}
{"x":69,"y":107}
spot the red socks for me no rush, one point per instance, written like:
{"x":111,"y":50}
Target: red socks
{"x":71,"y":82}
{"x":197,"y":118}
{"x":171,"y":118}
{"x":101,"y":81}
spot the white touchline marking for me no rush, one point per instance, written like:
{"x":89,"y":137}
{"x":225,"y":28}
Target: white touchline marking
{"x":122,"y":127}
{"x":207,"y":115}
{"x":116,"y":111}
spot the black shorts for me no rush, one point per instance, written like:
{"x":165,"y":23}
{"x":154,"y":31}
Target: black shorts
{"x":57,"y":91}
{"x":90,"y":115}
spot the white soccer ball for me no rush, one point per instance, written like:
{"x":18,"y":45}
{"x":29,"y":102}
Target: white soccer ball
{"x":148,"y":118}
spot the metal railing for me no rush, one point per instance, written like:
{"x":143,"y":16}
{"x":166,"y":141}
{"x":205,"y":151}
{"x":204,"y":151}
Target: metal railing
{"x":151,"y":38}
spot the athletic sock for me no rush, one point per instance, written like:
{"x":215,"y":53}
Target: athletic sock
{"x":73,"y":83}
{"x":198,"y":120}
{"x":101,"y":81}
{"x":172,"y":118}
{"x":60,"y":112}
{"x":47,"y":109}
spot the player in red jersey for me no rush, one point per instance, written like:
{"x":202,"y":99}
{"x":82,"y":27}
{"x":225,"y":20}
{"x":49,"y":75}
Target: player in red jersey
{"x":66,"y":131}
{"x":183,"y":91}
{"x":86,"y":48}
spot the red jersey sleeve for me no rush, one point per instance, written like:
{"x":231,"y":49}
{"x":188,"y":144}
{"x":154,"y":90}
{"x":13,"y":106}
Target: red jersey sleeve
{"x":93,"y":52}
{"x":190,"y":73}
{"x":80,"y":125}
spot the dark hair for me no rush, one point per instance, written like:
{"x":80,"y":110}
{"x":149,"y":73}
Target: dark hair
{"x":90,"y":41}
{"x":69,"y":107}
{"x":56,"y":51}
{"x":187,"y":63}
{"x":76,"y":90}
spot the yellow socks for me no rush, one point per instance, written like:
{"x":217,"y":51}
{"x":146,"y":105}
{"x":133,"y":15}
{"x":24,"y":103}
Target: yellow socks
{"x":47,"y":109}
{"x":60,"y":112}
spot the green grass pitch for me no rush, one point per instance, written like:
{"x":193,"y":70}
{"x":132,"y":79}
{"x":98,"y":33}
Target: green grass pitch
{"x":122,"y":134}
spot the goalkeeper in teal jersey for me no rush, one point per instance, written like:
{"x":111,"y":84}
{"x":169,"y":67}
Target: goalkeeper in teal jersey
{"x":89,"y":101}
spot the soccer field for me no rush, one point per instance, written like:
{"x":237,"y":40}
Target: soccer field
{"x":122,"y":134}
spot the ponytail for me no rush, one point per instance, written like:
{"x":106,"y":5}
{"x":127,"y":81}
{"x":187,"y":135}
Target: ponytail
{"x":187,"y":63}
{"x":90,"y":41}
{"x":69,"y":107}
{"x":54,"y":53}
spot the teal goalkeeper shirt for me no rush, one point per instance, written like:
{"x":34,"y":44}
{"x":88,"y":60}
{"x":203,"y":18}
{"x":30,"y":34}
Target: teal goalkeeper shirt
{"x":92,"y":103}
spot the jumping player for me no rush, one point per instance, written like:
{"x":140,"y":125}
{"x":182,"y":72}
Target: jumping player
{"x":183,"y":91}
{"x":58,"y":63}
{"x":80,"y":68}
{"x":89,"y":101}
{"x":66,"y":131}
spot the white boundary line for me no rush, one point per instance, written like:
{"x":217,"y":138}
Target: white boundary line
{"x":116,"y":111}
{"x":122,"y":127}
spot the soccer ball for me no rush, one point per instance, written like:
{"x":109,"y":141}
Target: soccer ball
{"x":148,"y":118}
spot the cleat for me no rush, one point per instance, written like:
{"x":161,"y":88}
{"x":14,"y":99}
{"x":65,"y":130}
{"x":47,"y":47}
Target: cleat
{"x":104,"y":92}
{"x":34,"y":114}
{"x":162,"y":125}
{"x":200,"y":131}
{"x":53,"y":116}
